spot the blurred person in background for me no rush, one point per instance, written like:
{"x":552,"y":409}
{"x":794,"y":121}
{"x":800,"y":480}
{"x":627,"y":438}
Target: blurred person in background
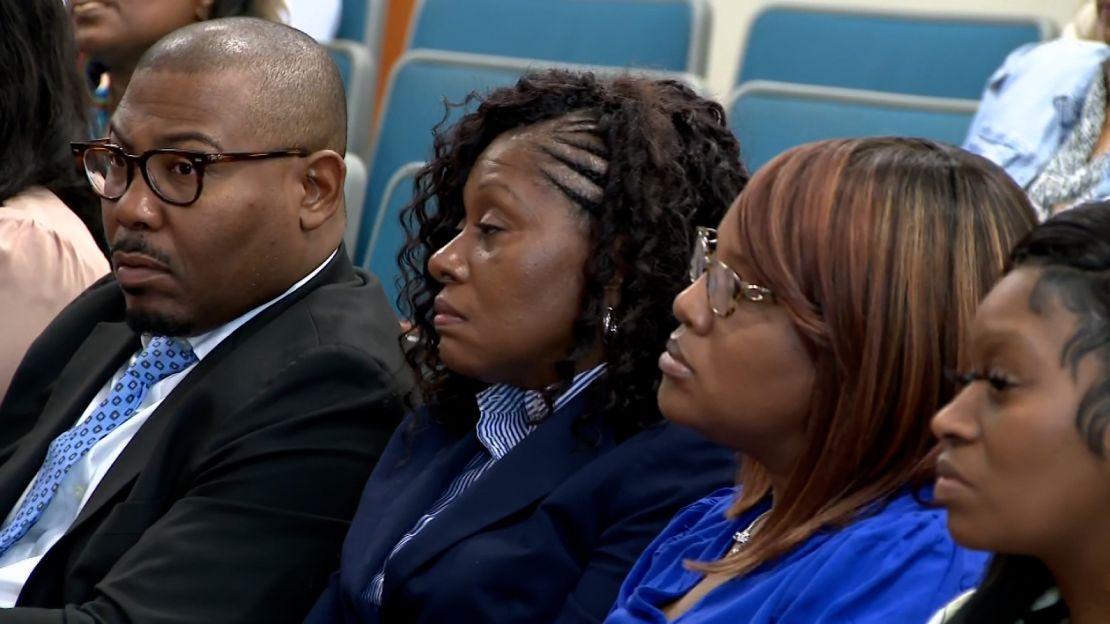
{"x":48,"y":253}
{"x":814,"y":341}
{"x":1085,"y":24}
{"x":1043,"y":118}
{"x":113,"y":34}
{"x":1025,"y":461}
{"x":318,"y":19}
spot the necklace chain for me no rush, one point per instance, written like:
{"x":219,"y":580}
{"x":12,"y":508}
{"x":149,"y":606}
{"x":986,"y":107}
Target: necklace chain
{"x":740,"y":539}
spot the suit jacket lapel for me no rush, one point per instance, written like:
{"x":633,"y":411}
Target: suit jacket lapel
{"x":92,"y":365}
{"x":407,"y":492}
{"x":108,"y":345}
{"x":136,"y":454}
{"x":527,"y":473}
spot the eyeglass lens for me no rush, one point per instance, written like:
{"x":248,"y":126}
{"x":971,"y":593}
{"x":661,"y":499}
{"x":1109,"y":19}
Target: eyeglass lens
{"x":172,"y":176}
{"x":720,"y":288}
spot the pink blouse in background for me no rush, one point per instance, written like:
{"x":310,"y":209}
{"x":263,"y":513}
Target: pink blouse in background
{"x":47,"y":257}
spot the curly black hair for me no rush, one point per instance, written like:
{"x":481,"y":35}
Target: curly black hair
{"x":646,"y":160}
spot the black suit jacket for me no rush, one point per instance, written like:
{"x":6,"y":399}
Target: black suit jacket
{"x":546,"y":535}
{"x":231,"y":501}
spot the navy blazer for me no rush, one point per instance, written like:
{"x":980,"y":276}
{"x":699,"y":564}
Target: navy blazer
{"x":547,"y":534}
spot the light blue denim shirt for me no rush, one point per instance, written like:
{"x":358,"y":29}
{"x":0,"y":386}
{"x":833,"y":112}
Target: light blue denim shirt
{"x":1032,"y":103}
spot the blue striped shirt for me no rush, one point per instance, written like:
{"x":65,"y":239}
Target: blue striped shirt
{"x":506,"y":415}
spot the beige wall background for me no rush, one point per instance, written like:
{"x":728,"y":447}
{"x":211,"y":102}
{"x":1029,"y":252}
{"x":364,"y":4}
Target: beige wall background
{"x":731,"y":19}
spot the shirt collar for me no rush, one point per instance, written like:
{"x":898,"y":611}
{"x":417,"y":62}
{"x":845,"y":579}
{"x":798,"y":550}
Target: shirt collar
{"x":507,"y":414}
{"x":203,"y":344}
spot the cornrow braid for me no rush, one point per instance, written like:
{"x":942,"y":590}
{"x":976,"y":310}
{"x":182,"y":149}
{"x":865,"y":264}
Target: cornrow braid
{"x":578,"y":163}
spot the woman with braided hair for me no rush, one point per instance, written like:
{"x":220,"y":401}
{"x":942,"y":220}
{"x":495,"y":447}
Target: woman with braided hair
{"x":547,"y":237}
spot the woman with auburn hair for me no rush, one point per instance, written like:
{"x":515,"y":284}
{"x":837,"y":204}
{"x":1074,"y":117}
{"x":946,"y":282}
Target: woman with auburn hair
{"x":1025,"y":447}
{"x":814,"y":341}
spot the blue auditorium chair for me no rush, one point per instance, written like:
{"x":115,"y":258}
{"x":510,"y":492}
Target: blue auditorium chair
{"x":354,"y":194}
{"x":668,"y":35}
{"x":898,"y":52}
{"x":387,"y":235}
{"x":362,"y":21}
{"x":412,"y":105}
{"x":770,"y":117}
{"x":357,"y":68}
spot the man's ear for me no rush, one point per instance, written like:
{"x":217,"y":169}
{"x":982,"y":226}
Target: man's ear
{"x":321,"y":185}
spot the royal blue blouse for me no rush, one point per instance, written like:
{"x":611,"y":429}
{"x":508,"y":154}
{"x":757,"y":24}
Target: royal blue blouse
{"x":897,"y":564}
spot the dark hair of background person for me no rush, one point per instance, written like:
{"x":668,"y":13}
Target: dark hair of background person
{"x":1072,"y":250}
{"x":672,"y":164}
{"x":42,"y":107}
{"x":879,"y":250}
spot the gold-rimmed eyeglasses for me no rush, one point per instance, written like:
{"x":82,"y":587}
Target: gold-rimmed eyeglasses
{"x":723,"y":285}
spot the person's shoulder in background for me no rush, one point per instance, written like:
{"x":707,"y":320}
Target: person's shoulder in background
{"x":1030,"y":102}
{"x":47,"y":257}
{"x":1066,"y":59}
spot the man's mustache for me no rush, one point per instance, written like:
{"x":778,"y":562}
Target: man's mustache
{"x":140,"y":246}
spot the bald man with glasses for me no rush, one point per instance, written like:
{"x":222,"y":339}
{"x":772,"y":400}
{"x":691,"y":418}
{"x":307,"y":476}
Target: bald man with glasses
{"x":187,"y":441}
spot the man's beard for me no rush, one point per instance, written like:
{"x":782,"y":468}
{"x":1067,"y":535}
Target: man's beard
{"x":158,"y":324}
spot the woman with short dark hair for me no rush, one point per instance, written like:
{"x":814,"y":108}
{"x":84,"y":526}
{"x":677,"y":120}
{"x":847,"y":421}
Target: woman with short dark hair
{"x":546,"y":239}
{"x":813,"y":341}
{"x":1025,"y":446}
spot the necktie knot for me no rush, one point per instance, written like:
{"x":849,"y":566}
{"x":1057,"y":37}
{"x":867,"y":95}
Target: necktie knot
{"x":162,"y":357}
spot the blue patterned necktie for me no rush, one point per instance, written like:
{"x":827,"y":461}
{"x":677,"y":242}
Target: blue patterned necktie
{"x":161,"y":358}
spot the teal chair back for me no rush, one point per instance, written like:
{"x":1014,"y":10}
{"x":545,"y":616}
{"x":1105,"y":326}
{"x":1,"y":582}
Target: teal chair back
{"x":358,"y":71}
{"x":906,"y":53}
{"x":387,"y":236}
{"x":769,"y":118}
{"x":412,"y":105}
{"x":666,"y":35}
{"x":354,"y":195}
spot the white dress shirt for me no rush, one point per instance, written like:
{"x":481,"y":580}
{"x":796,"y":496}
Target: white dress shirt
{"x":77,"y":487}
